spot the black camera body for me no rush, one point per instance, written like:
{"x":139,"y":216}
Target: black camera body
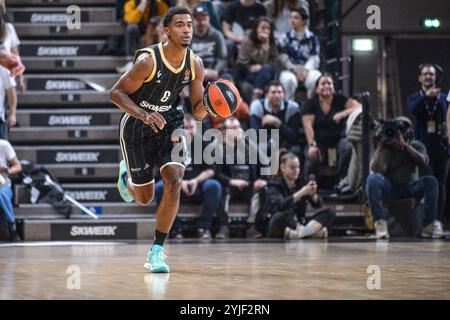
{"x":391,"y":129}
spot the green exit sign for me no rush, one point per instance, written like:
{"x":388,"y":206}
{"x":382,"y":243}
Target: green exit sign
{"x":432,"y":23}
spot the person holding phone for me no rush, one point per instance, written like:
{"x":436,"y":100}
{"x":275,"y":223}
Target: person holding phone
{"x":288,"y":197}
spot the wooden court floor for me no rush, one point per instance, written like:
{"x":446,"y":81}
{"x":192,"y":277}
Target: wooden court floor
{"x":291,"y":270}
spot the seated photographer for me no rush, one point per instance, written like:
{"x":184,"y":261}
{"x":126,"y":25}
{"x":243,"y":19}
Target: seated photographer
{"x":239,"y":179}
{"x":428,"y":107}
{"x":394,"y":165}
{"x":287,"y":199}
{"x":324,"y":118}
{"x":197,"y":186}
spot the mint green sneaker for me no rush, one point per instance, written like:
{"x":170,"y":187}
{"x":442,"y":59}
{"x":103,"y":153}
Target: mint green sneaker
{"x":155,"y":260}
{"x":122,"y":183}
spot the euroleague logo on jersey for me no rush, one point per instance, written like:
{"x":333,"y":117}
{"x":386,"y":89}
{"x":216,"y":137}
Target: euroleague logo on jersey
{"x":187,"y":75}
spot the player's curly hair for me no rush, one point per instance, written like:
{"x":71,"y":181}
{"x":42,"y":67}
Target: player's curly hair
{"x":172,"y":12}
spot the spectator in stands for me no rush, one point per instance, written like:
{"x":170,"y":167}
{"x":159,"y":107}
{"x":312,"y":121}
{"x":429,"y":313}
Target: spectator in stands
{"x":197,"y":186}
{"x":240,"y":178}
{"x":257,"y":57}
{"x":7,"y":90}
{"x":428,"y":107}
{"x":280,"y":13}
{"x":300,"y":58}
{"x":209,"y":44}
{"x":288,"y":196}
{"x":207,"y":5}
{"x":239,"y":17}
{"x":276,"y":112}
{"x":154,"y":32}
{"x":9,"y":41}
{"x":137,"y":16}
{"x":394,"y":164}
{"x":9,"y":164}
{"x":323,"y":119}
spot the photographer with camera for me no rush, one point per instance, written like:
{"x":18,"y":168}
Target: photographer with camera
{"x":428,"y":107}
{"x":394,"y":165}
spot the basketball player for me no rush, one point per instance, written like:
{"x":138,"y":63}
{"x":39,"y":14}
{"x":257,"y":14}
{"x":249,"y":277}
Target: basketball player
{"x":149,"y":96}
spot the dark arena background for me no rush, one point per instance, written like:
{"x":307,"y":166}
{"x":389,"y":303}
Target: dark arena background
{"x":66,"y":233}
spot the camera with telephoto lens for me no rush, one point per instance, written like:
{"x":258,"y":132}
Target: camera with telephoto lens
{"x":391,"y":130}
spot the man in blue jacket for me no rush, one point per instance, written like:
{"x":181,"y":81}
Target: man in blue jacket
{"x":428,"y":107}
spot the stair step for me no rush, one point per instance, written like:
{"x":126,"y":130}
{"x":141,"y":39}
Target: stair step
{"x":95,"y":154}
{"x":69,"y":117}
{"x":96,"y":192}
{"x":12,"y":3}
{"x":103,"y":172}
{"x":73,"y":64}
{"x":87,"y":229}
{"x":40,"y":135}
{"x":119,"y":209}
{"x":66,"y":89}
{"x":39,"y":210}
{"x":63,"y":98}
{"x":58,"y":15}
{"x":60,"y":48}
{"x":91,"y":29}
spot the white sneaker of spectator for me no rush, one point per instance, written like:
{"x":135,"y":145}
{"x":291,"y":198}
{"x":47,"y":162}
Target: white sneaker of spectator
{"x":381,"y":229}
{"x":291,"y":234}
{"x":321,"y":234}
{"x":433,"y":230}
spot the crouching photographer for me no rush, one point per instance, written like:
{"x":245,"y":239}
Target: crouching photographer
{"x":394,"y":166}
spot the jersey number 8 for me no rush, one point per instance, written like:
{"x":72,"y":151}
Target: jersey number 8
{"x":166,"y":96}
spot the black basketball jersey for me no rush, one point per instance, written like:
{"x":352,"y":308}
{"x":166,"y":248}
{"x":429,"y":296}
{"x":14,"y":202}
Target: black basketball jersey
{"x":160,"y":91}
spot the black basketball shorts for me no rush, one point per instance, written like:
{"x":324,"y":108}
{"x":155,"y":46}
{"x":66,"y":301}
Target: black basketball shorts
{"x":142,"y":148}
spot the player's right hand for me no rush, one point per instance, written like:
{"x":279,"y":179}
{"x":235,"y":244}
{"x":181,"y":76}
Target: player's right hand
{"x":155,"y":121}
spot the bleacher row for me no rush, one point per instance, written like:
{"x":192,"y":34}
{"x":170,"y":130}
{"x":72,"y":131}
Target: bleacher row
{"x":66,"y":124}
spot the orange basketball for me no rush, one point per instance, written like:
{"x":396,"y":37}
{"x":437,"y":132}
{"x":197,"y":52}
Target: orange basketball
{"x":221,"y":98}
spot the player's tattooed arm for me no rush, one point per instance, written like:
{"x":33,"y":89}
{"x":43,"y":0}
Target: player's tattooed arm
{"x":129,"y":83}
{"x":197,"y":91}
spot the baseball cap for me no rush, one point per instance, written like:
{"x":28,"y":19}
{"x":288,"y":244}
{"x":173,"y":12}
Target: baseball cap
{"x":200,"y":9}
